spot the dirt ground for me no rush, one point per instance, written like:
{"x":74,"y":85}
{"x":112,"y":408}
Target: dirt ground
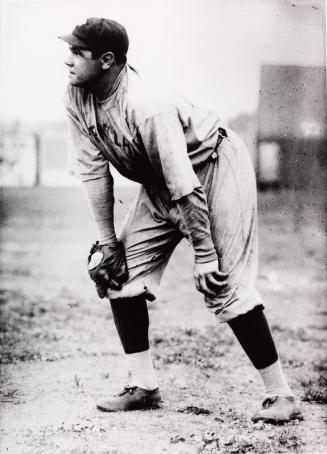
{"x":60,"y":353}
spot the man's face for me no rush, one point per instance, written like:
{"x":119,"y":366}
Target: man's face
{"x":83,"y":69}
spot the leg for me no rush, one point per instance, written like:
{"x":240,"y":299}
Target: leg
{"x":132,"y":322}
{"x":149,"y":241}
{"x":231,"y":194}
{"x":252,"y":330}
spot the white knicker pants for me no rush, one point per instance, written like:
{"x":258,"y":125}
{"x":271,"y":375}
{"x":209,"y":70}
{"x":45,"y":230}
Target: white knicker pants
{"x":154,"y":227}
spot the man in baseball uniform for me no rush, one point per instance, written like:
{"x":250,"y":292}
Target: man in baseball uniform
{"x":197,"y":182}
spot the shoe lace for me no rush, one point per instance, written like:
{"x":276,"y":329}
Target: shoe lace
{"x":127,"y":390}
{"x":269,"y":401}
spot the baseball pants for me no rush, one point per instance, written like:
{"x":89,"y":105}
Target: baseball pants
{"x":154,"y":227}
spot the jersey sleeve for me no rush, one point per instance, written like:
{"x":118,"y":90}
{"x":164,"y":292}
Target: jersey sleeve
{"x":100,"y":194}
{"x":164,"y":141}
{"x":84,"y":158}
{"x":193,"y":209}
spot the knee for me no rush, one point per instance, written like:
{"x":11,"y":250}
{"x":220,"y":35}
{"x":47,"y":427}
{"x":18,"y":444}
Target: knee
{"x":130,"y":300}
{"x":132,"y":289}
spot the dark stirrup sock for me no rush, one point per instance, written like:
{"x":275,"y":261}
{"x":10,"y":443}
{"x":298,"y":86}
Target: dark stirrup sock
{"x":132,"y":322}
{"x":253,"y":333}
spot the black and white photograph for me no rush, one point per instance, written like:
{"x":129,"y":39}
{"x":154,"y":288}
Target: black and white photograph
{"x":163,"y":178}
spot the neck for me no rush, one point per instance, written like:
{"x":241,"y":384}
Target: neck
{"x":102,"y":87}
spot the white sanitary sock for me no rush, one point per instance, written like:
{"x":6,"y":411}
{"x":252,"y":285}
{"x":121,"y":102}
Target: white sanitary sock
{"x":274,"y":380}
{"x":141,"y":370}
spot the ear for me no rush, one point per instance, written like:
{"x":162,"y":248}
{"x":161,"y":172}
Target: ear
{"x":107,"y":60}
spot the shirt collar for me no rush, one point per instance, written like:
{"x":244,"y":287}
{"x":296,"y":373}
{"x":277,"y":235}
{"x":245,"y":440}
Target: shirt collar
{"x":115,"y":89}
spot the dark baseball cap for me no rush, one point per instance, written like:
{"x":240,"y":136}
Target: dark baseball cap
{"x":99,"y":35}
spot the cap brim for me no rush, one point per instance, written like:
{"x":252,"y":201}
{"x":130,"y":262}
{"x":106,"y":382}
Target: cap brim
{"x":74,"y":41}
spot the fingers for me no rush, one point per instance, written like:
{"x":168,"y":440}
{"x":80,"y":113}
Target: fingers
{"x":108,"y":268}
{"x":208,"y":283}
{"x":216,"y":276}
{"x":101,"y":283}
{"x":101,"y":278}
{"x":202,"y":285}
{"x":117,"y":271}
{"x":102,"y":286}
{"x":102,"y":291}
{"x":114,"y":284}
{"x":104,"y":281}
{"x":212,"y":282}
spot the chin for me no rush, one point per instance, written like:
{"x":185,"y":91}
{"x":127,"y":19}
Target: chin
{"x":73,"y":80}
{"x":79,"y":83}
{"x":75,"y":84}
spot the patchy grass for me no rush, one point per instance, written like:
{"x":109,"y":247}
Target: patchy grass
{"x":60,"y":352}
{"x":191,"y":409}
{"x":315,"y":387}
{"x":201,"y":349}
{"x":38,"y":330}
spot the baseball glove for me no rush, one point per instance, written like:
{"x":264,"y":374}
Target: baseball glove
{"x":107,"y":267}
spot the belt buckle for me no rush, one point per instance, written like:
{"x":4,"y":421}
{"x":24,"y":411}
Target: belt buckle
{"x":221,"y":135}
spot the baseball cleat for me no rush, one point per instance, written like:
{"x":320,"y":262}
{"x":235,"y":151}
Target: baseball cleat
{"x":132,"y":398}
{"x":278,"y":409}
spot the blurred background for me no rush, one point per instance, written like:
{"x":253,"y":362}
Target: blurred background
{"x":260,"y":65}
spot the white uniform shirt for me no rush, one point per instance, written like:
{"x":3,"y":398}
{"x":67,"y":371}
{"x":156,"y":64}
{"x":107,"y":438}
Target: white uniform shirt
{"x":150,"y":134}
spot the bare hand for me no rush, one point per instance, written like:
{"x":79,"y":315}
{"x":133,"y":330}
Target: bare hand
{"x":207,"y":278}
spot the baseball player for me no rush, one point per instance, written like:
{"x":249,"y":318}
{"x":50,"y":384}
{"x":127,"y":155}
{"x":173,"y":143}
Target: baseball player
{"x":197,"y":182}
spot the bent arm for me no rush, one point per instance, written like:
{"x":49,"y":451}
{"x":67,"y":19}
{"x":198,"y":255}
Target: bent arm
{"x":194,"y":212}
{"x":87,"y":162}
{"x":164,"y":141}
{"x":101,"y":200}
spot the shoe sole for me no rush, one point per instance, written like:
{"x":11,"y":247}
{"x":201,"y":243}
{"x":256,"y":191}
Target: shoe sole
{"x":152,"y":406}
{"x":298,"y":416}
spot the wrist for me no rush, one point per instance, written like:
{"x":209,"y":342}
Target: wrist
{"x":109,"y":244}
{"x":212,"y":257}
{"x":108,"y":239}
{"x":204,"y":250}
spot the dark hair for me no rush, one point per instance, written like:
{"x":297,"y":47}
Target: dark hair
{"x":119,"y":59}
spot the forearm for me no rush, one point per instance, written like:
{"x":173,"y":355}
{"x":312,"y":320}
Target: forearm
{"x":194,"y":211}
{"x":101,"y":199}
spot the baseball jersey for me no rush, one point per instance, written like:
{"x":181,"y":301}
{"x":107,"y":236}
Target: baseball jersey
{"x":149,"y":133}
